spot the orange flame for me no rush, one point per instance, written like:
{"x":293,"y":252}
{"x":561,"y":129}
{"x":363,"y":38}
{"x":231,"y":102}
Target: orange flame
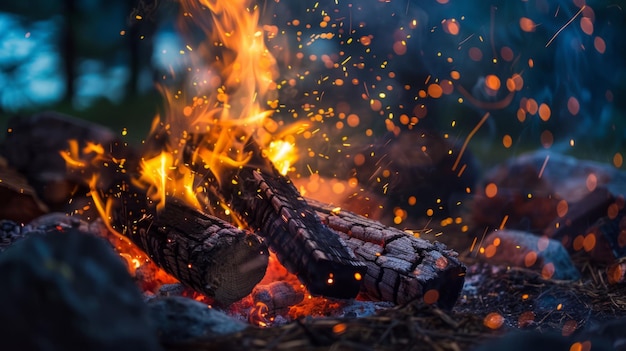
{"x":92,"y":154}
{"x":233,"y":73}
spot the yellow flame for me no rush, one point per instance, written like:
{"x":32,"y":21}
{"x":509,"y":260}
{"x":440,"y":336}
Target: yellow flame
{"x":280,"y":153}
{"x":235,"y":74}
{"x":71,"y":155}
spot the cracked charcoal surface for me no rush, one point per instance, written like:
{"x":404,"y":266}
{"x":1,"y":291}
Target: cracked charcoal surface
{"x":203,"y":252}
{"x":302,"y":243}
{"x":400,"y":267}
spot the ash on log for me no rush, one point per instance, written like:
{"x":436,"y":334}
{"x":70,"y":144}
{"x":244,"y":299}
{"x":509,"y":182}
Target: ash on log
{"x":400,"y":266}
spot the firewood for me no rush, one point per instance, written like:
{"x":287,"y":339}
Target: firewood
{"x":277,"y":297}
{"x":205,"y":253}
{"x":400,"y":266}
{"x":271,"y":205}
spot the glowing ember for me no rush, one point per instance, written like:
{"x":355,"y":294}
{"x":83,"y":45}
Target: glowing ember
{"x":493,"y":320}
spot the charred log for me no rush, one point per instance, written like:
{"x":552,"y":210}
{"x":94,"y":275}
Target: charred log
{"x":400,"y":266}
{"x":205,"y":253}
{"x":270,"y":204}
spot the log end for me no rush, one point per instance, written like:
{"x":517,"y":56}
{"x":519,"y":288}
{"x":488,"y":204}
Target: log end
{"x":240,"y":267}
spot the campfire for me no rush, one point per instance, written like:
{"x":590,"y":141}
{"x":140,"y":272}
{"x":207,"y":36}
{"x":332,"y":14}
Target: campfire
{"x":214,"y":213}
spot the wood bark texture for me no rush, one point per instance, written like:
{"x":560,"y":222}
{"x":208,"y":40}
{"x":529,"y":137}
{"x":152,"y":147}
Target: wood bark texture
{"x":272,"y":206}
{"x":204,"y":252}
{"x":400,"y":266}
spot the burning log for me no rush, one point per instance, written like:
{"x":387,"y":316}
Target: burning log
{"x":204,"y":252}
{"x":271,"y":204}
{"x":400,"y":266}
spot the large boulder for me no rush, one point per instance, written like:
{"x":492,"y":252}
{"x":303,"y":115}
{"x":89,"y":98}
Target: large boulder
{"x":68,"y":290}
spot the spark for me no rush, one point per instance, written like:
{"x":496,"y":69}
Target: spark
{"x":543,"y":167}
{"x":466,"y":39}
{"x":504,"y":220}
{"x":566,"y":24}
{"x":467,"y":140}
{"x":480,"y":244}
{"x":462,"y":170}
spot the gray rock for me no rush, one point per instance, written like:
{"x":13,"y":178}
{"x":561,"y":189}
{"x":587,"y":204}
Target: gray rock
{"x":12,"y":232}
{"x":549,"y":177}
{"x":525,"y":250}
{"x":67,"y":290}
{"x":180,"y":319}
{"x":569,"y":175}
{"x":594,"y":226}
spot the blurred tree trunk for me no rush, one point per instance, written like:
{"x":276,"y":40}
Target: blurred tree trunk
{"x":68,"y":48}
{"x":139,"y":38}
{"x":133,"y":40}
